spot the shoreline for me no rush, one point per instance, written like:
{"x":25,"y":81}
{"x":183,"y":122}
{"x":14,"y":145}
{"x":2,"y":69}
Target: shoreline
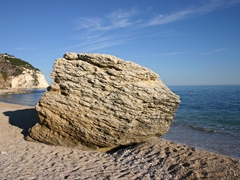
{"x":205,"y":141}
{"x":19,"y":90}
{"x":213,"y":142}
{"x":154,"y":159}
{"x":14,"y":91}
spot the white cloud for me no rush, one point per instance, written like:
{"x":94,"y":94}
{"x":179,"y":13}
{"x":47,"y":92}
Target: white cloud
{"x":173,"y":53}
{"x":121,"y":26}
{"x":213,"y":5}
{"x":114,"y":20}
{"x":25,"y":48}
{"x":167,"y":18}
{"x":119,"y":14}
{"x":89,"y":23}
{"x":214,"y":51}
{"x":98,"y":41}
{"x":220,"y":50}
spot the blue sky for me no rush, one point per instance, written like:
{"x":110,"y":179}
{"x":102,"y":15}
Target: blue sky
{"x":186,"y":42}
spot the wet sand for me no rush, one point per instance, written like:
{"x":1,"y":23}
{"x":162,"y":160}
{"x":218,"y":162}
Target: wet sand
{"x":153,"y":159}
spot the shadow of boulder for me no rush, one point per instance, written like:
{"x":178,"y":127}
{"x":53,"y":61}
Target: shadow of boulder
{"x":24,"y":119}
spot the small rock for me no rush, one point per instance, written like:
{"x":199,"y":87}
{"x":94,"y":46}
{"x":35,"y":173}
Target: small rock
{"x":70,"y":56}
{"x":3,"y":153}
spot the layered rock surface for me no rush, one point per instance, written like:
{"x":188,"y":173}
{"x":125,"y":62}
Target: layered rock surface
{"x":100,"y":101}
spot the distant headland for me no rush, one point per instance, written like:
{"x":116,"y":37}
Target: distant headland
{"x":17,"y":74}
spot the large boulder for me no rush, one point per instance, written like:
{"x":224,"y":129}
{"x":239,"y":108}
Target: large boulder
{"x":100,"y":101}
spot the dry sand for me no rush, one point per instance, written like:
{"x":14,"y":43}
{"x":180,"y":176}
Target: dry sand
{"x":154,"y":159}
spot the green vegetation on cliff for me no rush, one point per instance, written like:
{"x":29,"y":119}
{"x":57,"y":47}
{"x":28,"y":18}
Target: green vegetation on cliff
{"x":4,"y":75}
{"x":12,"y":66}
{"x":19,"y":62}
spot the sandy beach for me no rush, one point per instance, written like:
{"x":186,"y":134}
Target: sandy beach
{"x":153,"y":159}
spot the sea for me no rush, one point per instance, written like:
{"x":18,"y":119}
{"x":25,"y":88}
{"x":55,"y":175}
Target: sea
{"x":208,"y":117}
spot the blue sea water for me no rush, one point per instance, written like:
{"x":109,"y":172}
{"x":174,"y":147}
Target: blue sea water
{"x":207,"y":118}
{"x":29,"y":99}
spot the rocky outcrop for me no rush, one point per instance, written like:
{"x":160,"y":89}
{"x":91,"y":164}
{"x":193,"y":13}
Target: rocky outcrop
{"x":100,"y":101}
{"x":18,"y":74}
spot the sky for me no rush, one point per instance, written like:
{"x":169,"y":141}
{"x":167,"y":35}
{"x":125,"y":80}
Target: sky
{"x":186,"y":42}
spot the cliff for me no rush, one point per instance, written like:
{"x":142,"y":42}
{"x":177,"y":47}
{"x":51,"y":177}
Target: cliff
{"x":16,"y":73}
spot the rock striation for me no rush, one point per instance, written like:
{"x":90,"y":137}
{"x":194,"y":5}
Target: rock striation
{"x":99,"y":101}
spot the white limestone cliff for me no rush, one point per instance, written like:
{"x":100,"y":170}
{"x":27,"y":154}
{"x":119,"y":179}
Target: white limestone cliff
{"x":29,"y":79}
